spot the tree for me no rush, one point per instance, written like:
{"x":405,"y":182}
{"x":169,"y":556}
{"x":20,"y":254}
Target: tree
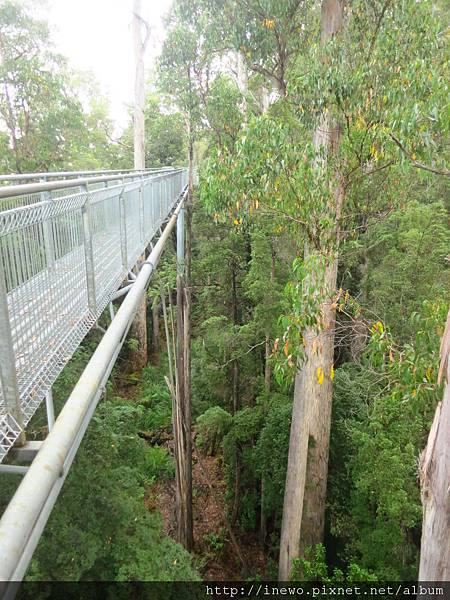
{"x":434,"y":469}
{"x":139,"y":326}
{"x":45,"y":125}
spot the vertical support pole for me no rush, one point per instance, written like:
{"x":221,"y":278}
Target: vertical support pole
{"x":180,"y":243}
{"x":8,"y":375}
{"x":48,"y":234}
{"x":89,"y":253}
{"x":50,"y":409}
{"x":123,"y":230}
{"x":111,"y":310}
{"x":141,"y":209}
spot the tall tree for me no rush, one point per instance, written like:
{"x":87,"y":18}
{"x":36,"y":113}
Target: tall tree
{"x":434,"y":479}
{"x":139,"y":327}
{"x":306,"y":477}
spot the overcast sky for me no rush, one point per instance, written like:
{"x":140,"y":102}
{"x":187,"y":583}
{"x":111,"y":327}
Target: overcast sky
{"x":96,"y":36}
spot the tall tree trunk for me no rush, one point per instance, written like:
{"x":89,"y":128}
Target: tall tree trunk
{"x":435,"y":483}
{"x":182,"y":412}
{"x":306,"y":478}
{"x":138,"y":332}
{"x":139,"y":326}
{"x":155,"y":332}
{"x":139,"y":86}
{"x":236,"y":402}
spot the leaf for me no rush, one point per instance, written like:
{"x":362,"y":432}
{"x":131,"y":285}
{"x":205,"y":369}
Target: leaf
{"x":320,"y":376}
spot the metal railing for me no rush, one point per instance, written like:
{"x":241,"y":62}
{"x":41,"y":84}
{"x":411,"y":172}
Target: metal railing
{"x":64,"y":252}
{"x":47,"y":176}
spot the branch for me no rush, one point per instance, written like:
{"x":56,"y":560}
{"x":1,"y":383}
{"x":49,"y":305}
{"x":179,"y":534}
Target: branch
{"x":147,"y":30}
{"x":415,"y":163}
{"x":377,"y":28}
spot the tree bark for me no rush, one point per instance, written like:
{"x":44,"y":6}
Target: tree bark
{"x":306,"y":478}
{"x":182,"y":412}
{"x":139,"y":87}
{"x":435,"y":484}
{"x":139,"y":327}
{"x":155,"y":332}
{"x":138,"y":332}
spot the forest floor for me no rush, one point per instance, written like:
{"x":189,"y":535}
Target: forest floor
{"x":221,"y":555}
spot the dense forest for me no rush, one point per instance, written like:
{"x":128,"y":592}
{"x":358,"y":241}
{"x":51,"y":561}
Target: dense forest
{"x":319,"y":285}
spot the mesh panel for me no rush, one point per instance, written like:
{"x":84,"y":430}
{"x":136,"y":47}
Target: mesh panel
{"x":50,"y":252}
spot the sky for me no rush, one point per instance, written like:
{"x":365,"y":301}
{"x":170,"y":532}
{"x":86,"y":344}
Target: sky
{"x":95,"y":35}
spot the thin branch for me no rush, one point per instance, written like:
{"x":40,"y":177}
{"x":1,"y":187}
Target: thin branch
{"x":415,"y":163}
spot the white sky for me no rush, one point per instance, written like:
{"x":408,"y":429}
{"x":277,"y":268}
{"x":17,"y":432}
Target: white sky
{"x":95,"y":35}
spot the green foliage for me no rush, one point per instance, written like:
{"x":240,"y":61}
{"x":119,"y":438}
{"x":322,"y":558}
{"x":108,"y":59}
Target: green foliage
{"x":215,"y":541}
{"x":41,"y":110}
{"x":100,"y":528}
{"x":314,"y":568}
{"x":407,"y":264}
{"x":212,"y":426}
{"x":383,"y":411}
{"x":159,"y":464}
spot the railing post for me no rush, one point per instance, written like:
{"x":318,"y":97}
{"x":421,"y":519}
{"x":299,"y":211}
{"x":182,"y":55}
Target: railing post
{"x":8,"y":375}
{"x":50,"y":409}
{"x":123,"y":230}
{"x":141,"y":209}
{"x":89,"y":253}
{"x":48,"y":233}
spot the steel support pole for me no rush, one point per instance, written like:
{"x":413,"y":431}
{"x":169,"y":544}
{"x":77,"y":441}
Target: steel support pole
{"x":141,"y":210}
{"x":89,"y":254}
{"x":48,"y":232}
{"x":123,"y":231}
{"x":8,"y":376}
{"x":24,"y":519}
{"x":50,"y":409}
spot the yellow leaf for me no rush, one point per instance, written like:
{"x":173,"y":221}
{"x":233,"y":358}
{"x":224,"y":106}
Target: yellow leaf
{"x":286,"y":348}
{"x":428,"y":373}
{"x":378,"y":327}
{"x":332,"y":372}
{"x":320,"y":376}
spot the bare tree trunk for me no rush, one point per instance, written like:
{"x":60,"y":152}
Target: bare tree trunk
{"x":306,"y":478}
{"x":187,"y":345}
{"x":155,"y":332}
{"x":435,"y":483}
{"x":138,"y":332}
{"x":139,"y":326}
{"x":139,"y":87}
{"x":182,"y":412}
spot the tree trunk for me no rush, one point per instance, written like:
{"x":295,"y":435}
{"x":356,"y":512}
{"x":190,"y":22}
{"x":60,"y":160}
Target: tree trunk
{"x":435,"y":483}
{"x":182,"y":412}
{"x":139,"y":327}
{"x":306,"y":478}
{"x":139,"y":88}
{"x":138,"y":331}
{"x":155,"y":332}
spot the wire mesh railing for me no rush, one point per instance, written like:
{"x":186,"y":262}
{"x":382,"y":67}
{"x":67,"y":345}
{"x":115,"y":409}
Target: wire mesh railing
{"x":61,"y":260}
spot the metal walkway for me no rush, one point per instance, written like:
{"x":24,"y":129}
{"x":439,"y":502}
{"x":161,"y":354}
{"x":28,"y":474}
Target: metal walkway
{"x":66,"y":246}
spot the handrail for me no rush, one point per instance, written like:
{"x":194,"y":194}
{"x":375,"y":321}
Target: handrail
{"x":48,"y":186}
{"x":55,"y":174}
